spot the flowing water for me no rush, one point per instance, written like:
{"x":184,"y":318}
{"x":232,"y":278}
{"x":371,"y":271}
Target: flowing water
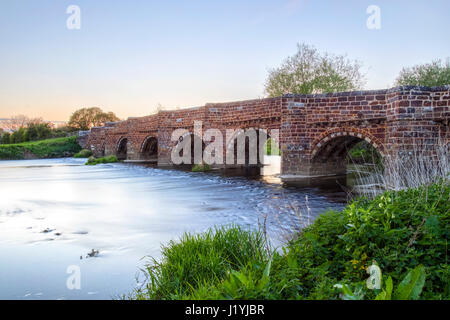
{"x":54,"y":212}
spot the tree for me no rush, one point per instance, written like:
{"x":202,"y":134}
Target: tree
{"x":86,"y":118}
{"x":6,"y":138}
{"x":309,"y":71}
{"x":431,"y":74}
{"x":18,"y":136}
{"x":38,"y":131}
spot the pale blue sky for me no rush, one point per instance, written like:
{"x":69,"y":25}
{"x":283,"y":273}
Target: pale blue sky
{"x":131,"y":55}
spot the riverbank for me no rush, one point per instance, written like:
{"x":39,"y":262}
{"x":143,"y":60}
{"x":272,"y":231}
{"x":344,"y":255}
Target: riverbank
{"x":43,"y":149}
{"x":397,"y":231}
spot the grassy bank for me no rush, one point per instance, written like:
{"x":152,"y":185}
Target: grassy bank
{"x":50,"y":148}
{"x":92,"y":161}
{"x":398,"y":231}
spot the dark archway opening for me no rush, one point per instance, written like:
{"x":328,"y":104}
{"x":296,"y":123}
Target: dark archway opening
{"x":355,"y":160}
{"x":149,"y":150}
{"x":122,"y":149}
{"x":253,"y":154}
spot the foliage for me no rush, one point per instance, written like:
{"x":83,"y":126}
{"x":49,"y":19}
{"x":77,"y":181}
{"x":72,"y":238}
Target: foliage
{"x":309,"y":71}
{"x":364,"y":152}
{"x":197,"y":263}
{"x":431,"y":74}
{"x":399,"y":230}
{"x":201,"y":167}
{"x":6,"y":138}
{"x":409,"y":289}
{"x":85,"y":153}
{"x":18,"y":136}
{"x":92,"y":161}
{"x":50,"y":148}
{"x":38,"y":131}
{"x":271,"y":148}
{"x":86,"y":118}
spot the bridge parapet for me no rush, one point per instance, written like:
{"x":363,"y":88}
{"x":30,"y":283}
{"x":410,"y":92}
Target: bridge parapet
{"x":316,"y":131}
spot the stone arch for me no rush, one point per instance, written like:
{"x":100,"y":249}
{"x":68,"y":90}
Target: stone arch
{"x":149,"y":148}
{"x":122,"y":148}
{"x":350,"y":136}
{"x":329,"y":151}
{"x":231,"y":145}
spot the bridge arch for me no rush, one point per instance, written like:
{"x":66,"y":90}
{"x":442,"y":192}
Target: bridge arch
{"x":329,"y":152}
{"x":261,"y":140}
{"x":149,"y":148}
{"x":122,"y":148}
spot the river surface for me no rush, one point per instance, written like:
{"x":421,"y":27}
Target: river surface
{"x":54,"y":212}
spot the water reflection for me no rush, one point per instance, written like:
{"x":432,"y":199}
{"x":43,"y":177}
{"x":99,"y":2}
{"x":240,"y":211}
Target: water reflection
{"x":52,"y":212}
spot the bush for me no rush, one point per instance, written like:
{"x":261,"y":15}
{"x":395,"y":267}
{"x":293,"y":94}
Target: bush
{"x":201,"y":167}
{"x":50,"y":148}
{"x":93,"y":161}
{"x":85,"y":153}
{"x":6,"y":138}
{"x":398,"y":230}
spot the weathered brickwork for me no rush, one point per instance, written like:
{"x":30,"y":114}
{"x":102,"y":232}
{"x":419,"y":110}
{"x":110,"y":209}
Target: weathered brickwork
{"x":315,"y":131}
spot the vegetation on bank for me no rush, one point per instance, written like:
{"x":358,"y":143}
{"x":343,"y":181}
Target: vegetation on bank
{"x":35,"y":131}
{"x":398,"y":231}
{"x":204,"y":167}
{"x":50,"y":148}
{"x":92,"y":161}
{"x":85,"y":153}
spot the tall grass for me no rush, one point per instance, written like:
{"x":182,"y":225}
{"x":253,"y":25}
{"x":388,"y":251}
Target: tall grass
{"x":410,"y":169}
{"x":199,"y":261}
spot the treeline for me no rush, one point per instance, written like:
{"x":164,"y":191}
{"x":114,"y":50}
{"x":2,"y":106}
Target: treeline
{"x":35,"y":132}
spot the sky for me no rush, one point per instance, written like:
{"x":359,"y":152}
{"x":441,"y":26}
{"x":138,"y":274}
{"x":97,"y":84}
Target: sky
{"x":130,"y":56}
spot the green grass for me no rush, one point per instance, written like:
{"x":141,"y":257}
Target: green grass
{"x":85,"y":153}
{"x":201,"y":167}
{"x":399,"y":231}
{"x":93,"y":161}
{"x":50,"y":148}
{"x":200,"y":260}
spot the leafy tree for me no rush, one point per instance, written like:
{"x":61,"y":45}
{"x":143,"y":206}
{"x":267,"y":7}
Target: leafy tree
{"x":86,"y":118}
{"x":431,"y":74}
{"x":20,"y":135}
{"x":38,"y":131}
{"x":309,"y":71}
{"x":6,"y":138}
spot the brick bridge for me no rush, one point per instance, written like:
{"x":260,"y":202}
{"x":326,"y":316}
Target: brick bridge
{"x":315,"y":131}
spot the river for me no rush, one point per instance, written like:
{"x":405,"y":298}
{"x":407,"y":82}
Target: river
{"x":53,"y":212}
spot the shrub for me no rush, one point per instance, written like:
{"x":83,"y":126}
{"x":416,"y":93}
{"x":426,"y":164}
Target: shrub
{"x":50,"y":148}
{"x":201,"y":167}
{"x":85,"y":153}
{"x":6,"y":138}
{"x":93,"y":161}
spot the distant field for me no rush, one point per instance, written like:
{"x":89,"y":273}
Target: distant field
{"x":50,"y":148}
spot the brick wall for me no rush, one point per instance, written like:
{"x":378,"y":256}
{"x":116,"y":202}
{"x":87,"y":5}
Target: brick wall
{"x":315,"y":130}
